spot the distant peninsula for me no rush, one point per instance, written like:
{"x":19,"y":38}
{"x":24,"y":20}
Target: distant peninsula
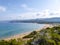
{"x":41,"y":20}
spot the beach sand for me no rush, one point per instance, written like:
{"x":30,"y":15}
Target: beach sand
{"x":26,"y":33}
{"x":17,"y":36}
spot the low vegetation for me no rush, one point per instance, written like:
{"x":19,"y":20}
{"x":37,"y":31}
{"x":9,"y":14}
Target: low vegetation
{"x":31,"y":35}
{"x":12,"y":42}
{"x":48,"y":36}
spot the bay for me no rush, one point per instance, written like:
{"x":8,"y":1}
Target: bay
{"x":10,"y":29}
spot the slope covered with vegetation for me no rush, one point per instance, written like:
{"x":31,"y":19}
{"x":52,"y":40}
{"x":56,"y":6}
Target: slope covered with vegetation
{"x":48,"y":36}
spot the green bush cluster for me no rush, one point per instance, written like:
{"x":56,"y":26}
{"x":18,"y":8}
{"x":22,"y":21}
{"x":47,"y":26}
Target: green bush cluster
{"x":12,"y":42}
{"x":31,"y":35}
{"x":48,"y":36}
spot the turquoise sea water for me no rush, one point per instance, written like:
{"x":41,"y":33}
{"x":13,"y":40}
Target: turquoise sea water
{"x":10,"y":29}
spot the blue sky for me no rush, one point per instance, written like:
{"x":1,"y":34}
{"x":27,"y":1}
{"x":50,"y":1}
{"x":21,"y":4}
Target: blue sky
{"x":29,"y":9}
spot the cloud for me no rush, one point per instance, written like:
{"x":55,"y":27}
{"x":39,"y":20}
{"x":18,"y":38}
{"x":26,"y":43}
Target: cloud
{"x":53,"y":13}
{"x":33,"y":15}
{"x":57,"y":1}
{"x":25,"y":6}
{"x":2,"y":9}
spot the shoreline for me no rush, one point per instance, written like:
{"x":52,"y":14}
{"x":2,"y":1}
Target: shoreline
{"x":17,"y":36}
{"x":26,"y":33}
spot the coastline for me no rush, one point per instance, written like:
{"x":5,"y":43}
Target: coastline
{"x":17,"y":36}
{"x":26,"y":33}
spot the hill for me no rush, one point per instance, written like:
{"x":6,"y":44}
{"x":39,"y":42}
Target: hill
{"x":41,"y":20}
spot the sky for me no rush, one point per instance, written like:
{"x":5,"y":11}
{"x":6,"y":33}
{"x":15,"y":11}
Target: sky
{"x":29,"y":9}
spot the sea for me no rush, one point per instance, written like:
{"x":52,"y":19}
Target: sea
{"x":10,"y":29}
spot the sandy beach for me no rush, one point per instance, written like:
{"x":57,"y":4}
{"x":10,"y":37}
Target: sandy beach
{"x":26,"y":33}
{"x":17,"y":36}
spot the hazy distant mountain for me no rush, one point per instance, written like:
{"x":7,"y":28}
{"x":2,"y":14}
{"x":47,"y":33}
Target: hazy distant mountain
{"x":41,"y":20}
{"x":50,"y":20}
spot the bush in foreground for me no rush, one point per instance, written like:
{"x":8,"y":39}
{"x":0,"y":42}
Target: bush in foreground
{"x":31,"y":35}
